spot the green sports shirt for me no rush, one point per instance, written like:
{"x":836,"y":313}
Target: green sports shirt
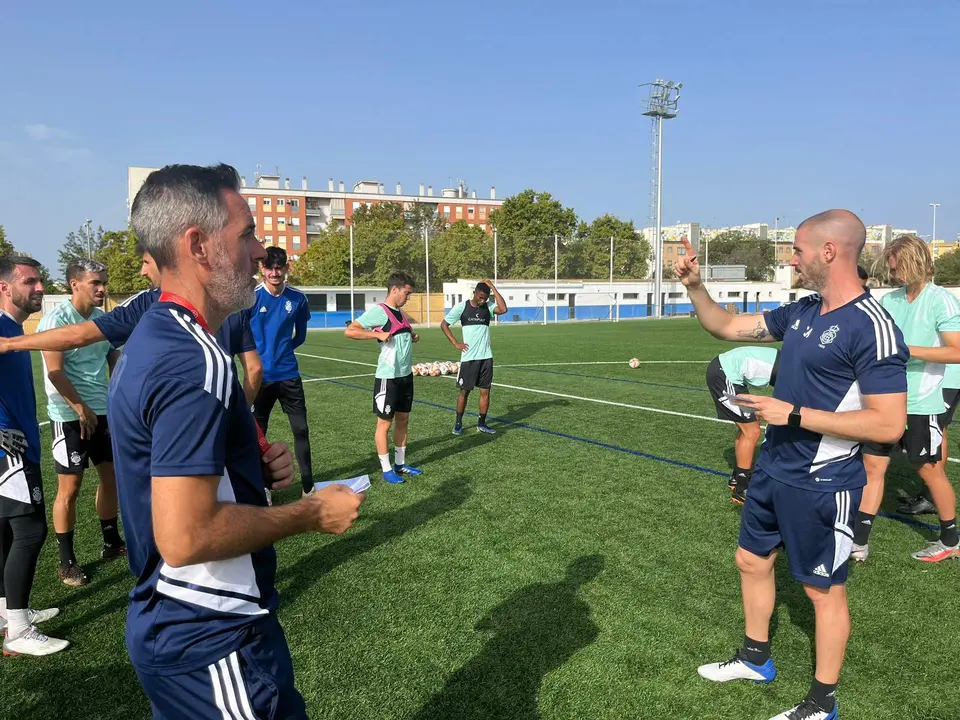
{"x":933,"y":312}
{"x":396,"y":355}
{"x":475,"y":322}
{"x":85,"y":368}
{"x":749,"y":365}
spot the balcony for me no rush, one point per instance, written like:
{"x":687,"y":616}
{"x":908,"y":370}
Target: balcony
{"x":337,"y":212}
{"x":314,"y":212}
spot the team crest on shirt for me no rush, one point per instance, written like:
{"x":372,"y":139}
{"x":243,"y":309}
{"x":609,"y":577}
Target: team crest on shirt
{"x":288,"y":306}
{"x":37,"y":494}
{"x":386,"y":409}
{"x":829,"y":335}
{"x":74,"y":458}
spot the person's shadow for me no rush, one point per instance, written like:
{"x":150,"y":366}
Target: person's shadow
{"x":534,"y":631}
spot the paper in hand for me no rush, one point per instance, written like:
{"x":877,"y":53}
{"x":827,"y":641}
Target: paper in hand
{"x":358,"y":484}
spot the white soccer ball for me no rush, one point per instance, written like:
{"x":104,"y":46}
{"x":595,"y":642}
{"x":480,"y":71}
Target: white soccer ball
{"x":634,"y":363}
{"x":444,"y":370}
{"x":416,"y":370}
{"x":434,"y":371}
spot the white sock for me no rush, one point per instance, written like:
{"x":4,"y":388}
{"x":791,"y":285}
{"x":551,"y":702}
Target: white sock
{"x":399,"y":454}
{"x":385,"y":462}
{"x":17,"y":623}
{"x":3,"y":608}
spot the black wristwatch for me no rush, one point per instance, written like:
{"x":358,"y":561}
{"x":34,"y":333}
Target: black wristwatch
{"x":794,"y":419}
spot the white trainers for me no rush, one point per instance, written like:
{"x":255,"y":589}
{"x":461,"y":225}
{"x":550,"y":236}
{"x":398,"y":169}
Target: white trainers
{"x":807,"y":710}
{"x":860,"y":552}
{"x":34,"y":617}
{"x":33,"y":642}
{"x":738,"y":669}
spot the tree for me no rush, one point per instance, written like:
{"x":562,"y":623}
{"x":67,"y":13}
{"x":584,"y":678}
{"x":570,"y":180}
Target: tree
{"x":421,"y":217}
{"x":526,"y":224}
{"x":631,"y":250}
{"x":119,"y":254}
{"x":326,"y":261}
{"x":947,"y":269}
{"x":460,"y":251}
{"x":735,"y":247}
{"x":79,"y":245}
{"x":6,"y":247}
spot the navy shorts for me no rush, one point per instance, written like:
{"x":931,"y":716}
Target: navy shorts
{"x":815,"y":528}
{"x":254,"y":681}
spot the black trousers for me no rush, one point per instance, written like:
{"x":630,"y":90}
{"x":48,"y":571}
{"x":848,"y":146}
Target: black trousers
{"x":294,"y":404}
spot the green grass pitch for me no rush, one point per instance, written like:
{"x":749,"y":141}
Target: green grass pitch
{"x":577,"y":565}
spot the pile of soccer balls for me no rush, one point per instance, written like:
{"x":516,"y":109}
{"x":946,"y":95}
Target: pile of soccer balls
{"x":436,"y":368}
{"x":634,"y":363}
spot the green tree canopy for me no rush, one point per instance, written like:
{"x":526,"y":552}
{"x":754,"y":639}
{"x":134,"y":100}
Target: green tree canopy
{"x":526,"y":225}
{"x":631,"y":251}
{"x":77,"y":246}
{"x":735,"y":247}
{"x":119,"y":254}
{"x":947,"y":269}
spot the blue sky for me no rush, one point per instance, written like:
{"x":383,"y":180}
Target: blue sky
{"x":787,"y":108}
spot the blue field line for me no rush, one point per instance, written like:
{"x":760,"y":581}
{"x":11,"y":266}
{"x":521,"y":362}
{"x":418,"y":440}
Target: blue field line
{"x":617,"y":448}
{"x":609,"y":379}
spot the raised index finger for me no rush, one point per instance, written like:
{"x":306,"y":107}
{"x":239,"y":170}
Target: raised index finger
{"x":686,"y":243}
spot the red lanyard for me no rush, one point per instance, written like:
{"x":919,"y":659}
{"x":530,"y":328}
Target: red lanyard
{"x":188,"y":306}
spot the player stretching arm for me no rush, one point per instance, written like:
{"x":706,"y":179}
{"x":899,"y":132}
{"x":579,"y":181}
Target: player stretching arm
{"x":115,"y":327}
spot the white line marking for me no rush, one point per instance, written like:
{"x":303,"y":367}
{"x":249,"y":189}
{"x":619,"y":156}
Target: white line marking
{"x":324,"y":357}
{"x":45,"y":422}
{"x":337,"y":377}
{"x":606,"y":362}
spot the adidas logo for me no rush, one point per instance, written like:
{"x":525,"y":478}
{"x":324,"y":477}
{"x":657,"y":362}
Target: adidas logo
{"x":868,"y":522}
{"x":923,"y":452}
{"x":796,"y":325}
{"x":263,"y":309}
{"x":821,"y":571}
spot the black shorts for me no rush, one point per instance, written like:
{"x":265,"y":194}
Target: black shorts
{"x":21,"y":486}
{"x":71,"y":453}
{"x":922,"y":440}
{"x":392,"y":395}
{"x":475,"y":373}
{"x":723,"y":391}
{"x":288,"y":392}
{"x":951,"y":398}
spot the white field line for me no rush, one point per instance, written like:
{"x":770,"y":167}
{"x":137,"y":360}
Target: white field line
{"x":341,"y":360}
{"x":605,"y":362}
{"x":337,"y":377}
{"x":579,"y":397}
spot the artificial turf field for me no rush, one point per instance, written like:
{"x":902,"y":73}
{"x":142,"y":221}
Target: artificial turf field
{"x":579,"y":564}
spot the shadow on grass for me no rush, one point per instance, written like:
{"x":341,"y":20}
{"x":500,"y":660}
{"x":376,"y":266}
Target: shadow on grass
{"x":58,"y":687}
{"x":534,"y":631}
{"x":790,"y":594}
{"x":304,"y":573}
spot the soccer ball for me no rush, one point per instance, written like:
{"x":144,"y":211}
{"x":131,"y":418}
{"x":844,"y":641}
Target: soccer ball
{"x":434,"y":371}
{"x":416,"y":370}
{"x":444,"y":370}
{"x":634,"y":363}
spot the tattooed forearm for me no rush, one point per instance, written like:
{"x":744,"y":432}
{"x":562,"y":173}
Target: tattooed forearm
{"x":760,"y":332}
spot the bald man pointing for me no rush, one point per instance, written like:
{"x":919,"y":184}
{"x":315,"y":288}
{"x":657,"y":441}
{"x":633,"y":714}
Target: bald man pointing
{"x":842,"y":382}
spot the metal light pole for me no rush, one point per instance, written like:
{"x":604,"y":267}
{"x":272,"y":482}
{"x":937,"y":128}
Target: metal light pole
{"x":90,"y":238}
{"x":351,"y":272}
{"x":661,"y":105}
{"x":611,"y":277}
{"x":556,"y":266}
{"x":934,"y":206}
{"x":426,"y":244}
{"x":496,"y":318}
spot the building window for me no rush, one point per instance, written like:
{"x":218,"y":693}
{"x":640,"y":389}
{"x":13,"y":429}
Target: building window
{"x":471,"y":224}
{"x":267,"y":203}
{"x":681,"y":251}
{"x":359,"y":302}
{"x":281,"y":204}
{"x":446,"y":212}
{"x":296,"y":242}
{"x":317,"y":302}
{"x":268,"y":222}
{"x":733,"y":294}
{"x":631,"y":296}
{"x":295,"y":222}
{"x":674,"y":295}
{"x":252,"y":202}
{"x":483,"y":213}
{"x":295,"y":206}
{"x":670,"y":250}
{"x":356,"y":205}
{"x":470,"y":212}
{"x":526,"y":298}
{"x":283,"y":241}
{"x":268,"y":240}
{"x":510,"y":297}
{"x":281,"y":223}
{"x":459,"y":211}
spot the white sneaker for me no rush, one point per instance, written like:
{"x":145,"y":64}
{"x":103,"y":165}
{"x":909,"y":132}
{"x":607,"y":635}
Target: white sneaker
{"x":738,"y":669}
{"x":807,"y":711}
{"x":33,"y":642}
{"x":34,"y":617}
{"x":860,"y":552}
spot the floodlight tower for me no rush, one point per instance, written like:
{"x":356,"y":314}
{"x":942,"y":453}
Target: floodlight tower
{"x":661,"y":105}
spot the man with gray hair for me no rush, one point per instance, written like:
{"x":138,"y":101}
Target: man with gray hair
{"x":76,"y":385}
{"x":202,"y":630}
